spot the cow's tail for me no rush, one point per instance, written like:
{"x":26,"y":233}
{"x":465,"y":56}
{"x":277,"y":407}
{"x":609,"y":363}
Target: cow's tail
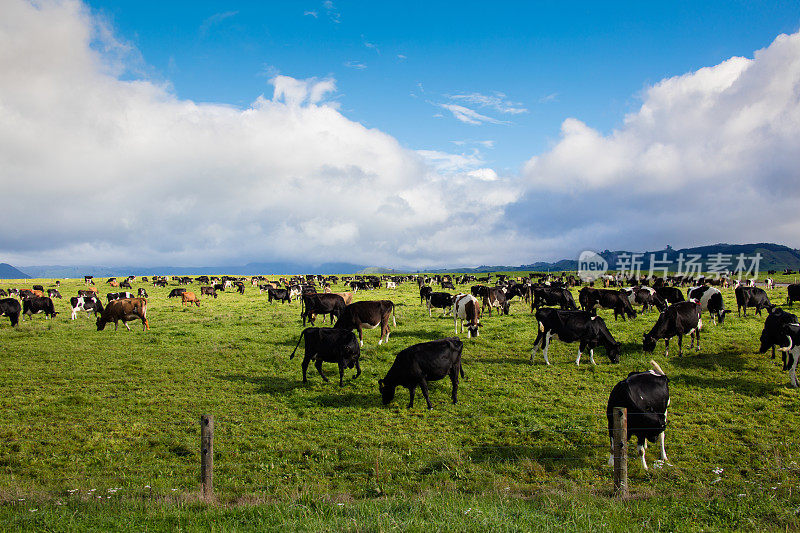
{"x":298,"y":344}
{"x":657,"y":368}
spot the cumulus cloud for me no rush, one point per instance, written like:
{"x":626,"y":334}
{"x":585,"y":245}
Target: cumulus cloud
{"x":709,"y":156}
{"x":125,"y":172}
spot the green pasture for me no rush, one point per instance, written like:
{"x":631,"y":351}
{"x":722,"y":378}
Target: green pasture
{"x":100,"y":430}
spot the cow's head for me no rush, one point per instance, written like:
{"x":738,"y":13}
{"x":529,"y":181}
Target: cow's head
{"x":101,"y":324}
{"x":387,"y":392}
{"x":506,"y":307}
{"x":612,"y":351}
{"x":722,"y":315}
{"x":649,"y":343}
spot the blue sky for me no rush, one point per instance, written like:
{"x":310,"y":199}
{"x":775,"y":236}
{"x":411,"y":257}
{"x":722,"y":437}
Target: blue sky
{"x":588,"y":60}
{"x":405,"y":135}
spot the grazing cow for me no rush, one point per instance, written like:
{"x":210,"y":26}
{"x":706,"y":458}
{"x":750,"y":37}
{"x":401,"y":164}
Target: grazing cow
{"x":240,"y":287}
{"x":791,"y":350}
{"x":710,"y":299}
{"x":682,"y":318}
{"x":174,"y":293}
{"x":11,"y":308}
{"x":646,"y":397}
{"x":118,"y":295}
{"x":671,"y":295}
{"x":479,"y":291}
{"x":53,"y":293}
{"x":391,"y":285}
{"x":38,"y":304}
{"x":141,"y":293}
{"x":496,"y":297}
{"x":770,"y":283}
{"x":617,"y":300}
{"x":465,"y":307}
{"x":773,"y":335}
{"x":90,"y":304}
{"x":646,"y":297}
{"x":426,"y":291}
{"x":751,"y":297}
{"x":330,"y":345}
{"x":448,"y":285}
{"x":114,"y":283}
{"x":440,"y":300}
{"x":546,"y":296}
{"x":88,"y":279}
{"x":793,"y":293}
{"x":91,"y":291}
{"x":190,"y":298}
{"x":321,"y":304}
{"x":420,"y":363}
{"x":370,"y":315}
{"x":125,"y":284}
{"x":571,"y":326}
{"x":24,"y":294}
{"x":281,"y":295}
{"x":159,"y":283}
{"x":208,"y":291}
{"x":124,"y":310}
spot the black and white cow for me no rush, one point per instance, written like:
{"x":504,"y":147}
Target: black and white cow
{"x":448,"y":285}
{"x":671,"y":295}
{"x":440,"y":300}
{"x":791,"y":348}
{"x":466,"y":307}
{"x":571,"y":326}
{"x":420,"y":363}
{"x":479,"y":291}
{"x":646,"y":397}
{"x":90,"y":304}
{"x":424,"y":292}
{"x":751,"y":297}
{"x":39,"y":304}
{"x":11,"y":308}
{"x":591,"y":298}
{"x":773,"y":335}
{"x":121,"y":295}
{"x":496,"y":297}
{"x":141,"y":293}
{"x":370,"y":315}
{"x":330,"y":345}
{"x":682,"y":318}
{"x":53,"y":293}
{"x":3,"y":293}
{"x":547,"y":296}
{"x":710,"y":299}
{"x":644,"y":296}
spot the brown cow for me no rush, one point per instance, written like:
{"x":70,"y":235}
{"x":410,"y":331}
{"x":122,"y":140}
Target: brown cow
{"x":346,"y":296}
{"x":91,"y":291}
{"x":114,"y":283}
{"x":126,"y":310}
{"x":189,"y":297}
{"x":38,"y":293}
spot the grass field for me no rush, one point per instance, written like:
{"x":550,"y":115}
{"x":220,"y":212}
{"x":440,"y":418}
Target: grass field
{"x":99,"y":430}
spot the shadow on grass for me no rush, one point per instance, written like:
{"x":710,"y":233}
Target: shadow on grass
{"x":340,"y":398}
{"x":728,"y":359}
{"x":548,"y":455}
{"x":737,"y":384}
{"x":267,"y":384}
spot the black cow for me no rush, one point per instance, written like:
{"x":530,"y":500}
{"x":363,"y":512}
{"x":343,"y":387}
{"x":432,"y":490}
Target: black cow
{"x":90,"y":304}
{"x":440,"y":300}
{"x":479,"y":291}
{"x":11,"y":308}
{"x":330,"y":345}
{"x":418,"y":364}
{"x":751,"y":297}
{"x":53,"y":293}
{"x":38,"y":288}
{"x":710,"y":299}
{"x":176,"y":293}
{"x":793,"y":293}
{"x":424,"y":292}
{"x":646,"y":397}
{"x":448,"y":285}
{"x":282,"y":295}
{"x":547,"y":296}
{"x":773,"y":335}
{"x":39,"y":304}
{"x":141,"y":293}
{"x":571,"y":326}
{"x":208,"y":291}
{"x":321,"y":304}
{"x":120,"y":295}
{"x":671,"y":295}
{"x":591,"y":298}
{"x":682,"y":318}
{"x":368,"y":314}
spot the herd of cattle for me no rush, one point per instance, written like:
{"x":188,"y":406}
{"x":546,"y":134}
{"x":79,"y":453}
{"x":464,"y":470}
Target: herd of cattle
{"x":645,"y":394}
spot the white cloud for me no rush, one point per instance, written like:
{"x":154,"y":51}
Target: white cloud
{"x":215,"y":20}
{"x":469,"y":116}
{"x":357,"y":65}
{"x":496,"y":101}
{"x":128,"y":173}
{"x":310,"y":14}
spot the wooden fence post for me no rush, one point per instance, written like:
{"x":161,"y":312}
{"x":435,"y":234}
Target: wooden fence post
{"x":620,"y":452}
{"x":207,"y":455}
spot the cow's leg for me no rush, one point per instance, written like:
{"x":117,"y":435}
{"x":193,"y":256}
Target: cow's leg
{"x":773,"y":357}
{"x":454,"y":381}
{"x":547,"y":338}
{"x":539,"y":339}
{"x":360,"y":335}
{"x":306,"y":360}
{"x":642,"y":450}
{"x":411,"y":390}
{"x":429,"y":311}
{"x":341,"y":373}
{"x":423,"y":385}
{"x":358,"y":369}
{"x":666,"y":343}
{"x":697,"y":336}
{"x":663,"y":448}
{"x":793,"y":373}
{"x":73,"y":315}
{"x":318,"y":365}
{"x":591,"y":356}
{"x":680,"y":344}
{"x":581,"y":346}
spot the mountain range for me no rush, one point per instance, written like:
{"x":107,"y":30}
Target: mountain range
{"x":773,"y":257}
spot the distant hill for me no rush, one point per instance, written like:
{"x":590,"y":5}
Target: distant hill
{"x":250,"y":269}
{"x":9,"y":272}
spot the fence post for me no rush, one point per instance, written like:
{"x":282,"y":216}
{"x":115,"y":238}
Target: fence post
{"x":619,"y":448}
{"x":207,"y":455}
